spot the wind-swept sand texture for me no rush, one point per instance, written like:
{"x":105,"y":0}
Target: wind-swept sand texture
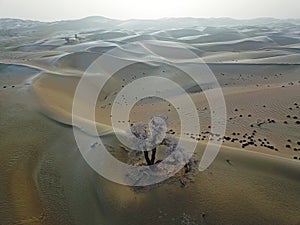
{"x":255,"y":179}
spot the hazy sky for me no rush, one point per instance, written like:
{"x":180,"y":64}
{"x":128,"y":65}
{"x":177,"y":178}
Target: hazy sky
{"x":48,"y":10}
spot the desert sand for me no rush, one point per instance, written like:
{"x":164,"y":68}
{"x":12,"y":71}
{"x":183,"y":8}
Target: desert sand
{"x":255,"y":178}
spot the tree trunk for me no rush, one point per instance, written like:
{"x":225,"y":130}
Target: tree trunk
{"x":153,"y":154}
{"x":147,"y":158}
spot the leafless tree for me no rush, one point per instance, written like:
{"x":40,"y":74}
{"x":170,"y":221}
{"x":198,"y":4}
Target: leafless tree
{"x":146,"y":138}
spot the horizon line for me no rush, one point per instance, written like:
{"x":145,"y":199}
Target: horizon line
{"x":154,"y":19}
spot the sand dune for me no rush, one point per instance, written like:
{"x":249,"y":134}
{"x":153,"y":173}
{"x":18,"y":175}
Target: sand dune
{"x":75,"y":60}
{"x":239,"y":45}
{"x":255,"y":179}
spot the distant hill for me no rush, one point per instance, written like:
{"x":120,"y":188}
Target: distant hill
{"x":98,"y":22}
